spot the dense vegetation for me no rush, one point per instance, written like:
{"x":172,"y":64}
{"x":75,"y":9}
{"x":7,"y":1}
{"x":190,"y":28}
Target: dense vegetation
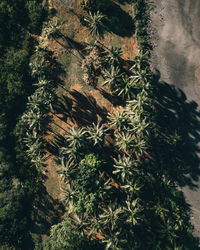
{"x":18,"y":20}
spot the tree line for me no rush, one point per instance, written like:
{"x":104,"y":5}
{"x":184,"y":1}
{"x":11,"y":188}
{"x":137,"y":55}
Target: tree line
{"x":18,"y":20}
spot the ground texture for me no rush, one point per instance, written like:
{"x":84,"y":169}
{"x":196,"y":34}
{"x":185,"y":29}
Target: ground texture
{"x":175,"y":34}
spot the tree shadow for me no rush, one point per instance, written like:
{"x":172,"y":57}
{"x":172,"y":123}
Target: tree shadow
{"x":72,"y":44}
{"x":86,"y":110}
{"x":114,"y":99}
{"x":76,"y":108}
{"x":179,"y":122}
{"x":54,"y":144}
{"x":63,"y":106}
{"x":118,"y":21}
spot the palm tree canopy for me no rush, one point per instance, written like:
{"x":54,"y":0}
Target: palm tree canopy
{"x":76,"y":137}
{"x":96,"y":134}
{"x":114,"y":56}
{"x":51,"y":29}
{"x":112,"y":77}
{"x":95,"y":23}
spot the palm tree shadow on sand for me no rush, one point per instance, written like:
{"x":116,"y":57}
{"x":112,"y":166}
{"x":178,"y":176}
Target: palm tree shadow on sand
{"x":179,"y":123}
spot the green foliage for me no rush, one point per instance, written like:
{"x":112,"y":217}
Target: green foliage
{"x":92,"y":161}
{"x":51,"y":29}
{"x":13,"y":199}
{"x":141,"y":18}
{"x":96,"y":134}
{"x":95,"y":23}
{"x":19,"y":15}
{"x":36,"y":15}
{"x":62,"y":236}
{"x":114,"y":56}
{"x":86,"y":203}
{"x":112,"y":77}
{"x":87,"y":180}
{"x":126,"y":196}
{"x":17,"y":176}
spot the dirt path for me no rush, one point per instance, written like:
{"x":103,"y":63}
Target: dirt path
{"x":176,"y":55}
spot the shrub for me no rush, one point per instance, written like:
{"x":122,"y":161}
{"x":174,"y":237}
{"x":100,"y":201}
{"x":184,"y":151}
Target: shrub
{"x":87,"y":180}
{"x":62,"y":236}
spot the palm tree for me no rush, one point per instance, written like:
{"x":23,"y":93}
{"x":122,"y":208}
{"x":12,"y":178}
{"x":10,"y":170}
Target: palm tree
{"x":124,"y":88}
{"x":39,"y":105}
{"x":38,"y":65}
{"x":139,"y":146}
{"x":140,"y":106}
{"x":111,"y":216}
{"x":124,"y":141}
{"x":31,"y":137}
{"x":138,"y":122}
{"x":115,"y":241}
{"x":35,"y":148}
{"x":112,"y":77}
{"x":34,"y":101}
{"x":39,"y":161}
{"x":134,"y":215}
{"x":114,"y":56}
{"x":70,"y":156}
{"x":95,"y":23}
{"x":125,"y":167}
{"x":140,"y":78}
{"x":44,"y":83}
{"x":141,"y":62}
{"x":118,"y":119}
{"x":51,"y":29}
{"x":132,"y":186}
{"x":68,"y":167}
{"x":141,"y":127}
{"x":76,"y":138}
{"x":96,"y":134}
{"x":34,"y":119}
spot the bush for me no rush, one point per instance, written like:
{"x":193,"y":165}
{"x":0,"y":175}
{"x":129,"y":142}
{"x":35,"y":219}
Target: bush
{"x":36,"y":15}
{"x":62,"y":236}
{"x":91,"y":160}
{"x":87,"y":180}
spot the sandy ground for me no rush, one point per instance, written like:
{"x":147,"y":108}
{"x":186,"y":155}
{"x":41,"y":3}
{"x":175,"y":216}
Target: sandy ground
{"x":175,"y":28}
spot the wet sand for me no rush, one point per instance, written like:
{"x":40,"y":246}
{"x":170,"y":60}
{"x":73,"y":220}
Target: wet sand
{"x":175,"y":31}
